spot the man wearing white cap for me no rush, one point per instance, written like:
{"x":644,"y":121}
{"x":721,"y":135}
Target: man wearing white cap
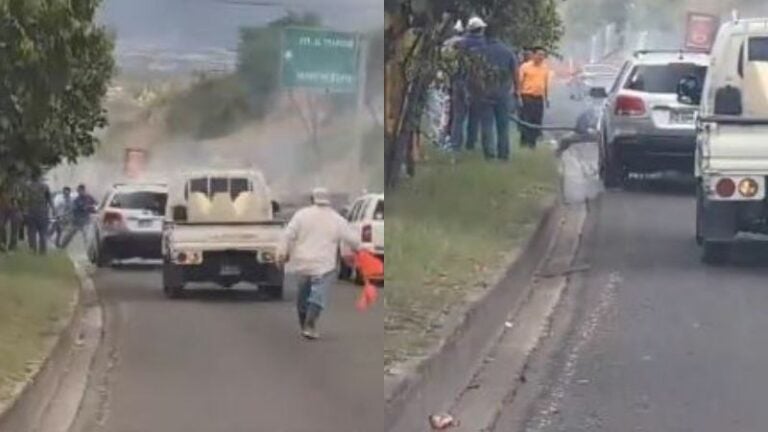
{"x":310,"y":251}
{"x":466,"y":105}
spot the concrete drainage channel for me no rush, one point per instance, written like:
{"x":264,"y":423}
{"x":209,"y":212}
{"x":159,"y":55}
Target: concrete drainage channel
{"x":480,"y":364}
{"x":49,"y":402}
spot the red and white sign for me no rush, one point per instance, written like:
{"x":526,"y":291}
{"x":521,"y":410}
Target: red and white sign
{"x":701,"y":31}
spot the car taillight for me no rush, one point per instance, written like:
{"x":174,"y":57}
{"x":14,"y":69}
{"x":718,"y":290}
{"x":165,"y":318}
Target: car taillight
{"x":113,"y":220}
{"x":630,"y":106}
{"x":725,"y":188}
{"x":367,"y":236}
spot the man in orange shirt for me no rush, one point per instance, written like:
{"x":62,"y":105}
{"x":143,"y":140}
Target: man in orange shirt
{"x":534,"y":92}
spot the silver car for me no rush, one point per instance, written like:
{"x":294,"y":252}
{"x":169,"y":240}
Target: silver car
{"x":643,"y":127}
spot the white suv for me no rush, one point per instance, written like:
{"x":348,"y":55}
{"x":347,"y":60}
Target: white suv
{"x":366,"y":216}
{"x":644,"y":128}
{"x":129,"y":224}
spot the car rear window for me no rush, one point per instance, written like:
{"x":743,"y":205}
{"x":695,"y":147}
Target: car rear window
{"x":662,"y":78}
{"x":758,"y":48}
{"x":153,"y":201}
{"x":378,"y":214}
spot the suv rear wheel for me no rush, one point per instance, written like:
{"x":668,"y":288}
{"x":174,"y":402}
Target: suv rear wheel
{"x":102,"y":257}
{"x":345,"y":272}
{"x":612,"y":171}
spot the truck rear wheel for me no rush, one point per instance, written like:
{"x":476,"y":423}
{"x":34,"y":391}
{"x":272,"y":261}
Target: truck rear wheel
{"x":715,"y":253}
{"x":173,"y":281}
{"x":275,"y":292}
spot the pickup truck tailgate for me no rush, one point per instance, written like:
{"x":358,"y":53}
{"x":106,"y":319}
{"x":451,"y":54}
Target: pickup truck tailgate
{"x":225,"y":236}
{"x":737,"y":148}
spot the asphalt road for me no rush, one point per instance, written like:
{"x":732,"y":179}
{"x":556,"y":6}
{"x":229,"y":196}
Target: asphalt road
{"x":232,"y":362}
{"x":658,"y":341}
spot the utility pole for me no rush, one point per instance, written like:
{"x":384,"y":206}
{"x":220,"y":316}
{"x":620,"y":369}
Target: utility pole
{"x":362,"y":81}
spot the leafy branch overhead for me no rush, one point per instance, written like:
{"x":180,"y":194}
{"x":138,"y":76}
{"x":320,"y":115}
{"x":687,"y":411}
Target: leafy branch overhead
{"x":55,"y":65}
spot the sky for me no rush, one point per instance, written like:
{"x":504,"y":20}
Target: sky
{"x":194,"y":24}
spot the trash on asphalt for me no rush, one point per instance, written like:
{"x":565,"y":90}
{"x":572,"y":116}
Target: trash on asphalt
{"x":440,"y":422}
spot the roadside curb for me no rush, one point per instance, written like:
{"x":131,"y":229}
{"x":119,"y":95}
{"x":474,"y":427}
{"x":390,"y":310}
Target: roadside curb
{"x":50,"y":399}
{"x":432,"y":383}
{"x":495,"y":384}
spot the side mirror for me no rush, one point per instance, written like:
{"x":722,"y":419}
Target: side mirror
{"x":598,"y":93}
{"x":689,"y":91}
{"x":179,"y":213}
{"x":275,"y":207}
{"x":344,"y":212}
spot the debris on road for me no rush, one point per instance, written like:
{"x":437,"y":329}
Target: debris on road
{"x":440,"y":422}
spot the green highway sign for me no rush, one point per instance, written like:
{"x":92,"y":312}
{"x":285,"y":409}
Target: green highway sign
{"x":320,"y":59}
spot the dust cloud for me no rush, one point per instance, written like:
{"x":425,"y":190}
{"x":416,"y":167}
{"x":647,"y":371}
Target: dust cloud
{"x":204,"y":34}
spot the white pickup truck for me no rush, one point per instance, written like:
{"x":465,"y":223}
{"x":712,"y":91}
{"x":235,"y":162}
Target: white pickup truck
{"x":732,"y":139}
{"x":220,"y":227}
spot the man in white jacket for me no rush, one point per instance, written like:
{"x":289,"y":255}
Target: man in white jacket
{"x":310,"y":252}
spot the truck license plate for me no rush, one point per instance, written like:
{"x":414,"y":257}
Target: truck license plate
{"x":228,"y":270}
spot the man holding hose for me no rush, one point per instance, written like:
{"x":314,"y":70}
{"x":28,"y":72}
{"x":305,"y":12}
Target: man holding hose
{"x":534,"y":92}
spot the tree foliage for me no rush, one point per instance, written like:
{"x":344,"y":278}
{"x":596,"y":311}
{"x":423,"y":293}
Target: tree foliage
{"x":415,"y":34}
{"x":55,"y":66}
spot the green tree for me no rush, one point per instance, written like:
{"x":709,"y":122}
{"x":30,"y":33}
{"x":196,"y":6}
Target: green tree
{"x":55,"y":66}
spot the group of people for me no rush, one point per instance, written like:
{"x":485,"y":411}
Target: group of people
{"x":28,"y":210}
{"x":483,"y":106}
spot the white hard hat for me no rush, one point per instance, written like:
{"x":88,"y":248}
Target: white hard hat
{"x":459,"y":27}
{"x":476,"y":23}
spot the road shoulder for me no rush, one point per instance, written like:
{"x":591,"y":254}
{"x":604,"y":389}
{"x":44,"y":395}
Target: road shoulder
{"x":49,"y":399}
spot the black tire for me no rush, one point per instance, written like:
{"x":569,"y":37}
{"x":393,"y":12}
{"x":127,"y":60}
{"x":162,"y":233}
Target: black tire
{"x":274,"y":292}
{"x":173,"y":281}
{"x":715,"y":253}
{"x":359,"y":277}
{"x":612,"y":172}
{"x":699,"y":211}
{"x":345,"y":273}
{"x":103,"y":258}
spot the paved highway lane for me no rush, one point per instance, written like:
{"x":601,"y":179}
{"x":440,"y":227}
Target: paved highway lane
{"x":660,"y":341}
{"x":232,"y":362}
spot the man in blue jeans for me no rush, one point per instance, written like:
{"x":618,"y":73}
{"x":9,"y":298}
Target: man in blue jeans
{"x":500,"y":100}
{"x":310,"y":251}
{"x":463,"y":102}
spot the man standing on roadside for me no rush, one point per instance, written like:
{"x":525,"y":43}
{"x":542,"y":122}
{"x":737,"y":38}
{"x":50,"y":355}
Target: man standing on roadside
{"x":10,"y":217}
{"x":465,"y":104}
{"x":82,"y":208}
{"x":37,"y":210}
{"x":63,"y":214}
{"x":498,"y":102}
{"x":310,"y":250}
{"x":534,"y":91}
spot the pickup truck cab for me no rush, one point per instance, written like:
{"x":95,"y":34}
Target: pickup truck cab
{"x":221,"y":227}
{"x":731,"y":163}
